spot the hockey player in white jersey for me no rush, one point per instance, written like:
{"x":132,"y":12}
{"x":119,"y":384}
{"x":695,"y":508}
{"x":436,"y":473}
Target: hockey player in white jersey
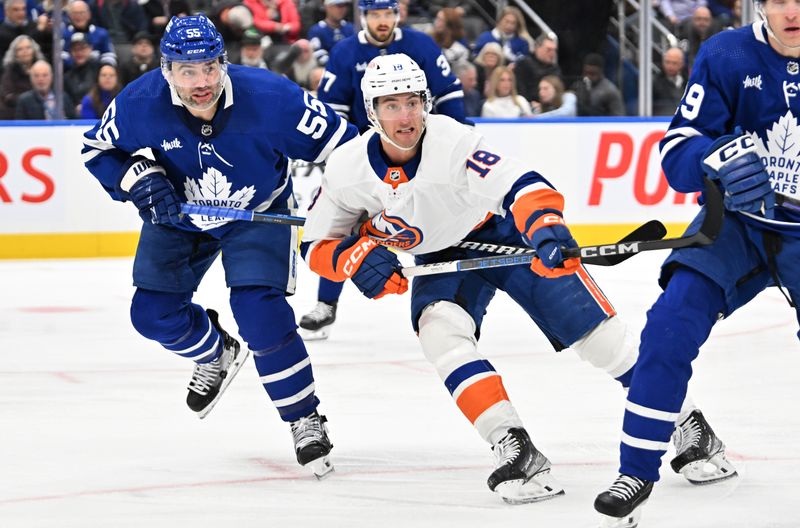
{"x":421,"y":183}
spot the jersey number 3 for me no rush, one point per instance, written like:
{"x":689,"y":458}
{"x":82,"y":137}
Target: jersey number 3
{"x":482,"y":161}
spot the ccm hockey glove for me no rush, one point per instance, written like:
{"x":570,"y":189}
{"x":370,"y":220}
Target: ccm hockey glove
{"x":537,"y":216}
{"x":733,"y":161}
{"x":373,"y":269}
{"x":146,"y":185}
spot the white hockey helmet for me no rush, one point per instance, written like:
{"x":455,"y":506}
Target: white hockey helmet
{"x":393,"y":74}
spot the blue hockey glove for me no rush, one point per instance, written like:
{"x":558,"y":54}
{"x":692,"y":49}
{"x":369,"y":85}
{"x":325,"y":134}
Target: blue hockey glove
{"x":379,"y":274}
{"x":549,"y":234}
{"x":733,"y":161}
{"x":146,"y":185}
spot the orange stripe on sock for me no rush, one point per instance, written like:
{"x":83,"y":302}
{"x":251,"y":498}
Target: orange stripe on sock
{"x":481,"y":395}
{"x":596,"y":292}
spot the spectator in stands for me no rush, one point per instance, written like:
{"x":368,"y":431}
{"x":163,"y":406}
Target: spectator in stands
{"x":17,"y":23}
{"x":40,"y":101}
{"x":303,"y":63}
{"x":17,"y":62}
{"x":105,"y":89}
{"x":722,"y":11}
{"x":510,"y":32}
{"x":502,"y":99}
{"x":251,"y":52}
{"x":80,"y":17}
{"x":597,"y":96}
{"x":696,"y":30}
{"x":179,"y":8}
{"x":325,"y":33}
{"x":669,"y":84}
{"x":553,"y":100}
{"x":81,"y":76}
{"x":448,"y":33}
{"x":279,"y":19}
{"x":489,"y":58}
{"x":467,"y":73}
{"x":156,"y":13}
{"x":532,"y":68}
{"x":676,"y":11}
{"x":143,"y":58}
{"x":122,"y":18}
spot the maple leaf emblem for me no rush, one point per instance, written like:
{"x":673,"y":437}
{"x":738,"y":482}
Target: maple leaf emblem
{"x":783,"y":139}
{"x":215,"y":189}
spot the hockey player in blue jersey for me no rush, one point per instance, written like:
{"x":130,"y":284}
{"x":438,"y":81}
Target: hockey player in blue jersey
{"x":341,"y":89}
{"x":219,"y":134}
{"x":737,"y":124}
{"x":331,"y":30}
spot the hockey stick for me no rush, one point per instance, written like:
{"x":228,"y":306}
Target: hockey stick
{"x":712,"y":223}
{"x":788,"y":202}
{"x":241,"y":214}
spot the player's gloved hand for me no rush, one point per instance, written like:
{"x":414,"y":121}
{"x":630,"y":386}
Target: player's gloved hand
{"x":733,"y":161}
{"x":548,"y":234}
{"x":373,"y":269}
{"x":146,"y":185}
{"x":537,"y":215}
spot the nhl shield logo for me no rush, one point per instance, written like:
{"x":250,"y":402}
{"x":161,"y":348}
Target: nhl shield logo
{"x":793,"y":68}
{"x":394,"y":175}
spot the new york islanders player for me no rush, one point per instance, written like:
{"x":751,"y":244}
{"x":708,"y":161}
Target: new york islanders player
{"x":737,"y":123}
{"x":424,"y":182}
{"x":341,"y":89}
{"x":220,"y":134}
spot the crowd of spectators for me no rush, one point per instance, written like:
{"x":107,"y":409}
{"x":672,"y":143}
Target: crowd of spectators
{"x":505,"y":72}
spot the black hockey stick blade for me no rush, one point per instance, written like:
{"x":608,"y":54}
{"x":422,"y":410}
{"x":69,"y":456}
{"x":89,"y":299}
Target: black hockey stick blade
{"x":709,"y":229}
{"x":652,"y":230}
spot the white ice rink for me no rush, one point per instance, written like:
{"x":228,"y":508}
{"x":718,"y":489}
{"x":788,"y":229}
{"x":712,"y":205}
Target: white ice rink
{"x":94,"y":431}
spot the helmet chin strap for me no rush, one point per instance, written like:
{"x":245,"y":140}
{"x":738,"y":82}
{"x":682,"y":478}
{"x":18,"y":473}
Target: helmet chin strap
{"x":385,"y":136}
{"x":771,"y":33}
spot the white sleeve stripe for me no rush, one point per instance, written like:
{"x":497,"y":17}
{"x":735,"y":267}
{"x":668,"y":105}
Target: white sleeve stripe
{"x":297,"y":367}
{"x":682,"y":131}
{"x":649,"y":445}
{"x":669,"y":145}
{"x":447,"y":97}
{"x":339,"y":107}
{"x":334,"y":141}
{"x":97,"y":144}
{"x":86,"y":157}
{"x":529,"y":188}
{"x":647,"y":412}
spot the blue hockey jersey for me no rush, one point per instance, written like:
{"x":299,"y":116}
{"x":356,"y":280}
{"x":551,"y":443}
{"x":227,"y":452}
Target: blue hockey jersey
{"x":341,"y":85}
{"x":323,"y":37}
{"x":239,"y":159}
{"x":738,"y":80}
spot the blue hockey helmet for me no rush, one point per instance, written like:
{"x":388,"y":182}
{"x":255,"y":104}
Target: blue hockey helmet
{"x":192,"y":39}
{"x":370,"y":5}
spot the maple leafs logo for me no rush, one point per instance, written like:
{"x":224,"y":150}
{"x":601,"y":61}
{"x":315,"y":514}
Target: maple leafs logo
{"x":783,"y":139}
{"x":215,"y":189}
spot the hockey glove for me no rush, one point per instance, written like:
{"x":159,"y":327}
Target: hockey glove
{"x":733,"y":161}
{"x":146,"y":185}
{"x":373,"y":269}
{"x":537,"y":215}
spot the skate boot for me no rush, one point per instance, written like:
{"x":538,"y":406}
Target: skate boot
{"x":522,"y":473}
{"x":621,"y":504}
{"x":316,"y":324}
{"x":700,"y":453}
{"x":311,"y":443}
{"x":209,"y":380}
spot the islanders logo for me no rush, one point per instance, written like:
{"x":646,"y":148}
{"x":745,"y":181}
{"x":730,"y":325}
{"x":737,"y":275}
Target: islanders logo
{"x":391,"y":231}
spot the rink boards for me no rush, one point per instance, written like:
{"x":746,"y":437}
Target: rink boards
{"x":608,"y":170}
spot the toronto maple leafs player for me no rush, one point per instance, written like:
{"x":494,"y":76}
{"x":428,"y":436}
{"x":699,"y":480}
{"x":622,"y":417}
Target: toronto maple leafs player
{"x":220,"y":134}
{"x":737,"y":124}
{"x":341,"y":89}
{"x":422,"y":183}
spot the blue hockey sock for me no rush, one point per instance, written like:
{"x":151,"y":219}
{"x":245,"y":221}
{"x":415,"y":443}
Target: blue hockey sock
{"x":677,"y":325}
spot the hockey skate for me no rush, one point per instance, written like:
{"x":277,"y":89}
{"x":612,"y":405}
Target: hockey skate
{"x":311,"y":443}
{"x":209,"y":380}
{"x":700,"y":453}
{"x":621,"y":504}
{"x":316,"y":324}
{"x":522,"y":473}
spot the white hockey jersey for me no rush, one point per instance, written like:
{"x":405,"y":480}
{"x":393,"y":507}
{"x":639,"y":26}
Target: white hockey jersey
{"x":453,"y":184}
